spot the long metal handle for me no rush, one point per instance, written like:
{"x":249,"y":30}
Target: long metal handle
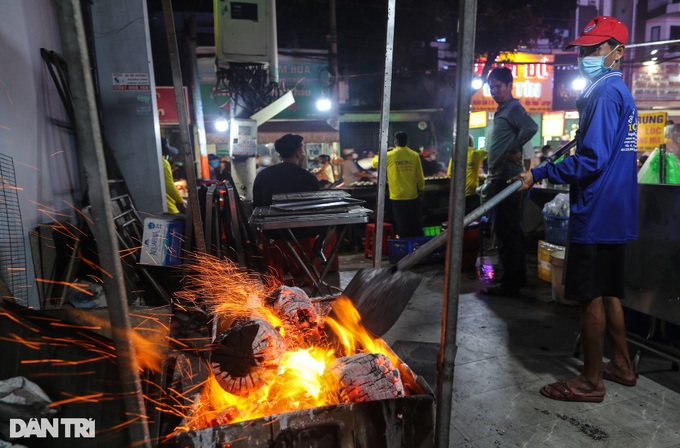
{"x":426,"y":249}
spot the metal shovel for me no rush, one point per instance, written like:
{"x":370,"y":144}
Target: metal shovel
{"x":381,"y":294}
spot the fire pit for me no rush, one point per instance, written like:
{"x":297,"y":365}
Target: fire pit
{"x":401,"y":422}
{"x":285,"y":370}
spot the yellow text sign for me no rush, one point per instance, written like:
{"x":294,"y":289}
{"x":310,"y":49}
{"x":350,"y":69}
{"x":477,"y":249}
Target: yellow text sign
{"x":651,"y":127}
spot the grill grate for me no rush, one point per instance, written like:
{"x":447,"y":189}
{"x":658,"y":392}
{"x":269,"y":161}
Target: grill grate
{"x":12,"y":244}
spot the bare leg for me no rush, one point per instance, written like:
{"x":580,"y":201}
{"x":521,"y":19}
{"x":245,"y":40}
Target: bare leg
{"x":592,"y":332}
{"x":589,"y":384}
{"x":620,"y":364}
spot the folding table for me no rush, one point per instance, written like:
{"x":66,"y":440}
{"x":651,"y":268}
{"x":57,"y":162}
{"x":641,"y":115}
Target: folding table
{"x":306,"y":210}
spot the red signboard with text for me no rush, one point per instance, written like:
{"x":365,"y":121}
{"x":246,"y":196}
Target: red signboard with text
{"x":532,"y":85}
{"x":167,"y":105}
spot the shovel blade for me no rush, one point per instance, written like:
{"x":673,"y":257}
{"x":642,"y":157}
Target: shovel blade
{"x":380,"y":296}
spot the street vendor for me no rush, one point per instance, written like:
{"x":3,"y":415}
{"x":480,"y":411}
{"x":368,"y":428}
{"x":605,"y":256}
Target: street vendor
{"x":602,"y":177}
{"x":287,"y":176}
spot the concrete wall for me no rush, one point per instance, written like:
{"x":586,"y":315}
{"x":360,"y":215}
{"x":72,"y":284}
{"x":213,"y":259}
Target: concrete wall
{"x":34,"y":128}
{"x":36,"y":133}
{"x":130,"y":121}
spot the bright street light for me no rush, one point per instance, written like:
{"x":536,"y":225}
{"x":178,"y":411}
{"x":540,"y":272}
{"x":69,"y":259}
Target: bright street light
{"x":477,"y":83}
{"x":323,"y":104}
{"x":221,"y":124}
{"x":578,"y":84}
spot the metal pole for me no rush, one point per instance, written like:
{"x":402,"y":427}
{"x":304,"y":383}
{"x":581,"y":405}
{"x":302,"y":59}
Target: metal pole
{"x":333,"y":50}
{"x":198,"y":101}
{"x":662,"y":163}
{"x":447,"y":353}
{"x":91,"y":153}
{"x":193,"y":207}
{"x":274,"y":63}
{"x":384,"y":131}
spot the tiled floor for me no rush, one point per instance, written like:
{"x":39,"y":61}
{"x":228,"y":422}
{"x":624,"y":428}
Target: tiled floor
{"x":507,"y":348}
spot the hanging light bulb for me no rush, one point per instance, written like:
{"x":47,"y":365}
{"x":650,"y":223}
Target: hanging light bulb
{"x":221,"y":124}
{"x":477,"y":83}
{"x":323,"y":103}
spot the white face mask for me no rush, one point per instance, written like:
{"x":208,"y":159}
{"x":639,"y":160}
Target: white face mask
{"x":592,"y":67}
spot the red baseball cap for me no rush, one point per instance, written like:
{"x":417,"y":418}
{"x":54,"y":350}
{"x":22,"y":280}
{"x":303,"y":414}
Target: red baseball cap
{"x":601,"y":29}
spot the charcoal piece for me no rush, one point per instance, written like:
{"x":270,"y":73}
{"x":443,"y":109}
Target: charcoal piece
{"x":247,"y":356}
{"x":366,"y":377}
{"x":293,"y":306}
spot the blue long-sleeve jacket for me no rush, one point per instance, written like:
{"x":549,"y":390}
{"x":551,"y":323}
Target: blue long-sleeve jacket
{"x":602,"y":174}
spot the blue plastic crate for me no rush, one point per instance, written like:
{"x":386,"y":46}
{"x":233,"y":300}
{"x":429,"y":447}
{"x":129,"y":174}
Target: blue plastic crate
{"x":400,"y":247}
{"x":556,"y":229}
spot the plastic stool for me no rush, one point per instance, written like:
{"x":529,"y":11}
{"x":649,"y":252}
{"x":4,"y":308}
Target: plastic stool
{"x":388,"y":232}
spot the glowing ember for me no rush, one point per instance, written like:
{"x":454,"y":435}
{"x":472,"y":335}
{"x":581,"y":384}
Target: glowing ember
{"x":309,"y":373}
{"x":293,"y":354}
{"x":247,"y":356}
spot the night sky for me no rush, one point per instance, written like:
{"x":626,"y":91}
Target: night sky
{"x":361,"y":26}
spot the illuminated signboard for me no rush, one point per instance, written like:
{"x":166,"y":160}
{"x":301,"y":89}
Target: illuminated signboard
{"x":651,"y":129}
{"x":553,"y":124}
{"x":532,"y":85}
{"x":477,"y":120}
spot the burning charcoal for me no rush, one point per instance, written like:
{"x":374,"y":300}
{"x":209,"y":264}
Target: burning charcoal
{"x":293,"y":305}
{"x":297,"y":311}
{"x":247,"y":356}
{"x":225,"y":416}
{"x":366,"y":377}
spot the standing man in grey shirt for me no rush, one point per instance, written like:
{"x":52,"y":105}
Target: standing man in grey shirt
{"x":512,"y":128}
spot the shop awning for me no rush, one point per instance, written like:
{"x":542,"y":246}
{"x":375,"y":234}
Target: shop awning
{"x":313,"y":131}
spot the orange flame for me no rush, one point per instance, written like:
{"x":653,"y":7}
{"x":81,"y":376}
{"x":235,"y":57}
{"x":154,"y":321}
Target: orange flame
{"x":302,"y":381}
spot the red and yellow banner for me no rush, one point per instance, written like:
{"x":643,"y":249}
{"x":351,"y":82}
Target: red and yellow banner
{"x":532,"y":85}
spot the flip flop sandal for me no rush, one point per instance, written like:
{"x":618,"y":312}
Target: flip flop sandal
{"x":559,"y":390}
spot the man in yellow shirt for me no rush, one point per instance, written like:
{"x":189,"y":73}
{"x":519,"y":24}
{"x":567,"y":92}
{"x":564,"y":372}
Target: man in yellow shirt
{"x":173,"y":198}
{"x":407,"y":183}
{"x":475,"y":157}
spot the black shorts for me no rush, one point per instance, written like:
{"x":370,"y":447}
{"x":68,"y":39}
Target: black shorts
{"x":594,"y":270}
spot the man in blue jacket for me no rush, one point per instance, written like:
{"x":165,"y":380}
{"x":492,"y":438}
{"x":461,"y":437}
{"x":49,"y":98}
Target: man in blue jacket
{"x":602,"y":178}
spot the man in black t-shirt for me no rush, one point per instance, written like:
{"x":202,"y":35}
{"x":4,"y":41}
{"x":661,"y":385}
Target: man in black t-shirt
{"x":285,"y":177}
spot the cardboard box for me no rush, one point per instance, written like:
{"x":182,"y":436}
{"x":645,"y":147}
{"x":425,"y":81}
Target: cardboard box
{"x":545,"y":249}
{"x":162,"y":241}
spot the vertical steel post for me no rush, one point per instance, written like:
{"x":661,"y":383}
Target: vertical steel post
{"x":91,"y":153}
{"x":466,"y":34}
{"x":662,"y":163}
{"x":274,"y":42}
{"x":199,"y":122}
{"x":193,"y":207}
{"x":384,"y":131}
{"x":333,"y":53}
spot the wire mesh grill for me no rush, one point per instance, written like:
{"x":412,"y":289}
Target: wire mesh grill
{"x":12,"y":244}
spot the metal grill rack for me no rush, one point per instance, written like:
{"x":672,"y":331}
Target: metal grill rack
{"x":12,"y":244}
